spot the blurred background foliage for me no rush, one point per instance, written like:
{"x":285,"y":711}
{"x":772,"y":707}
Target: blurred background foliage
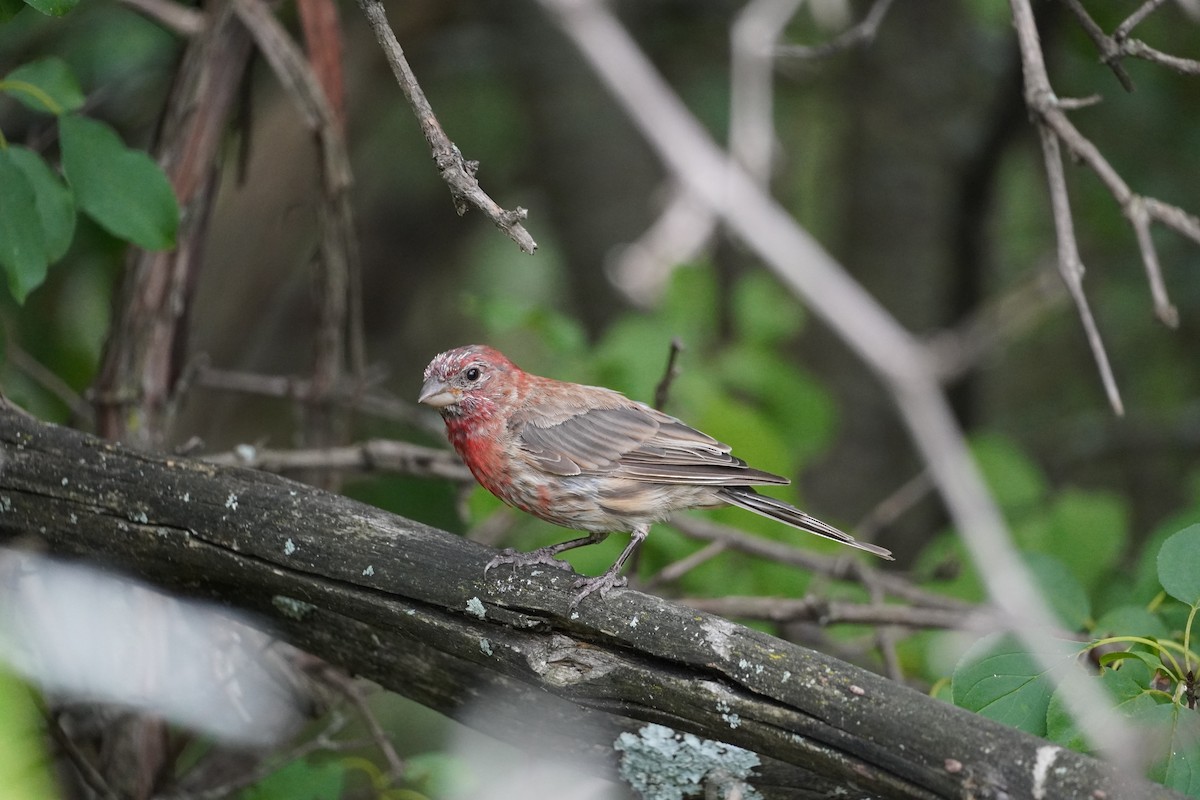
{"x":911,"y":160}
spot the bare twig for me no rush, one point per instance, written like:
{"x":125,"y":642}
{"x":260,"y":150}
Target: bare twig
{"x":40,"y":374}
{"x":861,"y":34}
{"x":373,"y":401}
{"x":840,"y":567}
{"x":351,"y":689}
{"x":1136,"y":18}
{"x":372,"y":455}
{"x":1110,"y":53}
{"x":677,"y":569}
{"x":1054,"y":124}
{"x":955,"y":351}
{"x":663,"y":390}
{"x":894,"y":505}
{"x":824,"y":611}
{"x":323,"y":741}
{"x":456,"y":171}
{"x":88,"y":772}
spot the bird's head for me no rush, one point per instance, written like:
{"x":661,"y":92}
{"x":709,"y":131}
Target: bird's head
{"x":469,"y":380}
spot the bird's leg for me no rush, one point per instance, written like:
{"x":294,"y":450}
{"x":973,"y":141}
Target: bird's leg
{"x":612,"y":577}
{"x":544,"y":555}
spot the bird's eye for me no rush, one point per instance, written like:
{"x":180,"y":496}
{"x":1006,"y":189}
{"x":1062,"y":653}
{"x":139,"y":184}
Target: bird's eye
{"x":472,"y":374}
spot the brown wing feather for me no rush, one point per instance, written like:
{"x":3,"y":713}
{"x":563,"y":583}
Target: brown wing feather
{"x":634,"y":441}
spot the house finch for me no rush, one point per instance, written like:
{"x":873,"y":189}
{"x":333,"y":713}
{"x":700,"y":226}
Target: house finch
{"x":589,"y":458}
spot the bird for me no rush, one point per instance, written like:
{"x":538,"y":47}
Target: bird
{"x":591,"y":459}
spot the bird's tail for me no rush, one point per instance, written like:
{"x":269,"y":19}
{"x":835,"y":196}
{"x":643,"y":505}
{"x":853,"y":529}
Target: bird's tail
{"x":747,"y":498}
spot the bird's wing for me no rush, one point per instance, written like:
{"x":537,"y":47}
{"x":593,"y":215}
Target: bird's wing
{"x":633,"y":441}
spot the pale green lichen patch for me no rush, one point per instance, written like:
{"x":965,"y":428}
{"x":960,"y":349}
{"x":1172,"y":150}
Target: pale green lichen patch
{"x":475,"y":608}
{"x":661,"y":764}
{"x":291,"y":607}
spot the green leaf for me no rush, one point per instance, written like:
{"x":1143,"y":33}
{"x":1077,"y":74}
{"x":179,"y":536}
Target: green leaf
{"x":1130,"y":695}
{"x":9,"y":9}
{"x":121,"y":189}
{"x":22,"y":244}
{"x":1180,"y":727}
{"x":1130,"y":621}
{"x":1014,"y":479}
{"x":1179,"y":565}
{"x":1087,"y":532}
{"x":998,"y":679}
{"x":55,"y":204}
{"x":25,"y":770}
{"x":52,"y":8}
{"x":44,"y":85}
{"x":1060,"y":588}
{"x":300,"y":780}
{"x":763,"y":311}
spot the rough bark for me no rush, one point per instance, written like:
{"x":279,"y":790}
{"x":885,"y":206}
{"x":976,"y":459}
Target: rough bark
{"x":409,"y":607}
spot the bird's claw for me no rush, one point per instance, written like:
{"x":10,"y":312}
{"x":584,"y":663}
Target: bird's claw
{"x":520,"y":559}
{"x":602,"y":584}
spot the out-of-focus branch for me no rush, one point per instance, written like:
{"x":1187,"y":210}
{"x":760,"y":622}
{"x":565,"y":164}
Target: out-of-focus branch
{"x":337,"y":268}
{"x":861,"y":34}
{"x":890,"y":351}
{"x":373,"y":455}
{"x":456,"y":171}
{"x":366,"y":401}
{"x":824,"y":611}
{"x":173,"y":16}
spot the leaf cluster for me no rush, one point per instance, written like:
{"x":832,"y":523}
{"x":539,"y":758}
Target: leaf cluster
{"x":119,"y":188}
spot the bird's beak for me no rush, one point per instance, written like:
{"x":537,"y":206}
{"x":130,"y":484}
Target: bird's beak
{"x":437,"y":394}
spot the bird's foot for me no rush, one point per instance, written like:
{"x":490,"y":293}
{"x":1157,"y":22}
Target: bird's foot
{"x":602,"y":584}
{"x":543,"y":556}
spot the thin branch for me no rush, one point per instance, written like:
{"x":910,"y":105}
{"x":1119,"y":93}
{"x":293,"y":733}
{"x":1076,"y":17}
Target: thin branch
{"x":173,"y":16}
{"x":663,"y":390}
{"x":956,"y":351}
{"x":824,"y":611}
{"x":677,"y":569}
{"x":1110,"y":53}
{"x":456,"y":171}
{"x":373,"y":401}
{"x":323,"y":741}
{"x":373,"y":455}
{"x":40,"y":374}
{"x":839,"y":567}
{"x":1136,"y":18}
{"x":88,"y":772}
{"x":1070,"y":264}
{"x":351,"y":689}
{"x":861,"y":34}
{"x":1054,"y":123}
{"x":895,"y":505}
{"x":1139,"y":49}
